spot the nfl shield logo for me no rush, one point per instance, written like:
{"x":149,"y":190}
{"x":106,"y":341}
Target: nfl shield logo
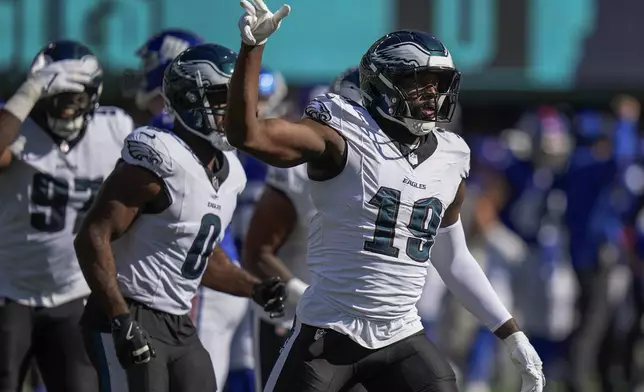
{"x":412,"y":158}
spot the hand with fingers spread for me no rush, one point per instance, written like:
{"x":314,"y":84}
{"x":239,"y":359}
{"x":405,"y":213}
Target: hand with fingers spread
{"x":65,"y":76}
{"x":258,"y":22}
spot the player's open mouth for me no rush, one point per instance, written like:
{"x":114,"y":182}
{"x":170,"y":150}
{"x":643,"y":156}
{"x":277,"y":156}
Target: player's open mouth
{"x":428,"y":112}
{"x":68,"y":112}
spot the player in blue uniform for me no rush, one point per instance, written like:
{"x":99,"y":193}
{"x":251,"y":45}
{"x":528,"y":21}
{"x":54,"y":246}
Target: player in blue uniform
{"x":599,"y":180}
{"x":521,"y":182}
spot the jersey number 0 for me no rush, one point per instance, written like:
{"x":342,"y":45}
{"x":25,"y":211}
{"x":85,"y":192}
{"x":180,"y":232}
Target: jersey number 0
{"x":423,"y":224}
{"x":197,"y":257}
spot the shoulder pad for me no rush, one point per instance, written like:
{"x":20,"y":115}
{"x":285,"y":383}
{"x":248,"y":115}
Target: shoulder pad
{"x":329,"y":109}
{"x":340,"y":113}
{"x":114,"y":113}
{"x":145,"y":147}
{"x":117,"y":118}
{"x":455,"y":145}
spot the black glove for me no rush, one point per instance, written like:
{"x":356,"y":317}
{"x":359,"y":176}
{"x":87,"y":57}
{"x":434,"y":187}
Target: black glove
{"x":131,"y":341}
{"x":271,"y":295}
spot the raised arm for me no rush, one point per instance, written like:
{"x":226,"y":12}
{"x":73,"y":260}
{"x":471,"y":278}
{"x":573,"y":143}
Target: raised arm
{"x":125,"y":193}
{"x":55,"y":78}
{"x":275,"y":141}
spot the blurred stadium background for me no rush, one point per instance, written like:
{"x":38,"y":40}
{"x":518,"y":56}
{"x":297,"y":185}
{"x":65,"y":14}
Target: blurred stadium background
{"x":550,"y":105}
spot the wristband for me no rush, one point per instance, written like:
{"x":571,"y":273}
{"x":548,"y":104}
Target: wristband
{"x":295,"y":290}
{"x":21,"y":103}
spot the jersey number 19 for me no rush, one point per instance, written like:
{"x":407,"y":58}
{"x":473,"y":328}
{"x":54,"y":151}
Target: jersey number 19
{"x":423,"y":224}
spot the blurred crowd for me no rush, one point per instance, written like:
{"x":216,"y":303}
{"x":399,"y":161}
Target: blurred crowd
{"x":554,"y":217}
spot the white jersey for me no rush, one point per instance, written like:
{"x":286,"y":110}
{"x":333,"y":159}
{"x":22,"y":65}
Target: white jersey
{"x":44,"y":194}
{"x":294,"y":183}
{"x":161,"y":258}
{"x":369,"y":244}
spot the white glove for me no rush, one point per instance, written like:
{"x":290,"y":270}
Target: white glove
{"x":527,"y":361}
{"x":258,"y":22}
{"x":55,"y":78}
{"x":65,"y":76}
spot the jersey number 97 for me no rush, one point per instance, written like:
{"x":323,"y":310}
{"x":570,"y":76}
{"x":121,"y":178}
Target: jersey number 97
{"x":56,"y":194}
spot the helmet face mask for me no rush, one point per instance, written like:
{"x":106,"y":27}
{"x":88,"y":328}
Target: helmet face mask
{"x":409,"y":78}
{"x":68,"y":113}
{"x":195,"y":89}
{"x":424,"y":93}
{"x":205,"y":107}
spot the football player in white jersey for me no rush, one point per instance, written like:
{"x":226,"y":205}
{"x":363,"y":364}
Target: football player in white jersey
{"x":386,"y":183}
{"x":276,"y":242}
{"x":149,"y":237}
{"x":56,"y":146}
{"x":275,"y":245}
{"x":220,"y":318}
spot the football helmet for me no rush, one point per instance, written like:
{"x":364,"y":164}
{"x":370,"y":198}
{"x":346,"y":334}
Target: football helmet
{"x":195,"y":89}
{"x":348,"y":85}
{"x":408,"y":77}
{"x":83,"y":104}
{"x":156,"y":54}
{"x":272,"y":93}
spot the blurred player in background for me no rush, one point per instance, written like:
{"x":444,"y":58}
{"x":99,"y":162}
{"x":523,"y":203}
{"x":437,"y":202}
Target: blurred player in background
{"x":495,"y":246}
{"x":277,"y":238}
{"x":218,"y":316}
{"x":633,"y":240}
{"x":597,"y":181}
{"x":275,"y":245}
{"x":626,"y":205}
{"x":524,"y":191}
{"x":156,"y":221}
{"x":367,"y":165}
{"x":272,"y":103}
{"x":56,"y":147}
